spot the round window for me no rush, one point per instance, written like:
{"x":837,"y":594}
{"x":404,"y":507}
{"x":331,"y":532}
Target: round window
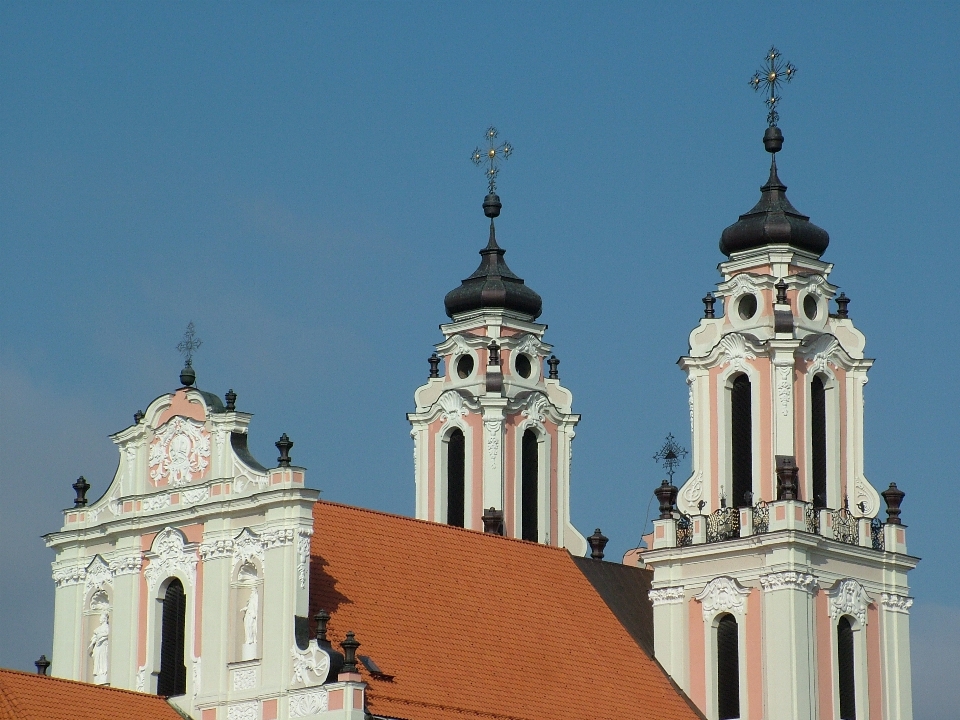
{"x":747,"y":307}
{"x":523,"y":366}
{"x":810,"y":307}
{"x":465,"y":366}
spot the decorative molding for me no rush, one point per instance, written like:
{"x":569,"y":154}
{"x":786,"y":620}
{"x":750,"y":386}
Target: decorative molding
{"x":246,"y":546}
{"x":303,"y":555}
{"x":243,"y":481}
{"x":667,"y":596}
{"x":492,"y":428}
{"x":788,"y":580}
{"x":169,"y":554}
{"x":180,"y":452}
{"x":734,"y":350}
{"x":723,"y":594}
{"x":459,"y":346}
{"x":277,"y":537}
{"x":127,"y":565}
{"x":244,"y":711}
{"x":535,"y":409}
{"x":155,"y":502}
{"x":821,"y":351}
{"x":216,"y":549}
{"x":690,"y":400}
{"x":196,"y":676}
{"x":312,"y":660}
{"x":739,"y":283}
{"x":784,"y":387}
{"x":529,"y":345}
{"x":693,"y":488}
{"x":896,"y":603}
{"x":848,"y":597}
{"x":452,"y":405}
{"x":192,"y":497}
{"x":142,"y":679}
{"x":98,"y":574}
{"x":308,"y":703}
{"x":245,"y":679}
{"x":73,"y":575}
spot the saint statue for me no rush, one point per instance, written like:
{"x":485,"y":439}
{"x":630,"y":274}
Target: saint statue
{"x":100,"y":650}
{"x":249,"y":616}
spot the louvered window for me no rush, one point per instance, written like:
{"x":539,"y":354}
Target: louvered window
{"x":530,"y":470}
{"x":818,"y":438}
{"x":173,"y":670}
{"x":845,"y":668}
{"x":741,"y":441}
{"x":456,"y":459}
{"x":728,"y":669}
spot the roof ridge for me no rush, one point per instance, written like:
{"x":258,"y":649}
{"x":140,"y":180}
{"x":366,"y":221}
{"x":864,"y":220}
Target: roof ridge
{"x":434,"y":524}
{"x":51,"y":678}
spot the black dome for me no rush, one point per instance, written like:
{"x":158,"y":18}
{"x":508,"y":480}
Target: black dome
{"x":773,"y":220}
{"x":493,"y":284}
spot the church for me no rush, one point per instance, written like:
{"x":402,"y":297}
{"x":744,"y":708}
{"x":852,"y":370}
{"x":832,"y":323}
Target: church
{"x":206,"y":583}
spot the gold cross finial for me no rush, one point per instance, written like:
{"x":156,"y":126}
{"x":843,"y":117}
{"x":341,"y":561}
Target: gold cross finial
{"x":189,"y":344}
{"x":493,"y":154}
{"x":770,"y":78}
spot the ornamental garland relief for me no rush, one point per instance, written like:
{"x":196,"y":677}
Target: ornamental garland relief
{"x":784,"y":385}
{"x":848,"y":597}
{"x":179,"y":453}
{"x":168,"y":555}
{"x":309,"y":703}
{"x":723,"y":594}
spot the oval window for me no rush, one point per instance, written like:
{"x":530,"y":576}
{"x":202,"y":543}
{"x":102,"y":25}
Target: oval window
{"x":810,"y":307}
{"x":465,"y":366}
{"x":523,"y":366}
{"x":747,"y":307}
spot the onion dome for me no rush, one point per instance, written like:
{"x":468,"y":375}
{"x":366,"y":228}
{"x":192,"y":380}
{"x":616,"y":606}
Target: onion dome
{"x":773,"y":220}
{"x":493,"y":285}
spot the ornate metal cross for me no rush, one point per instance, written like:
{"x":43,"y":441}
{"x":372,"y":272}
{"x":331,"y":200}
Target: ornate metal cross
{"x":493,"y":154}
{"x":770,"y":78}
{"x":189,"y":344}
{"x":670,"y":455}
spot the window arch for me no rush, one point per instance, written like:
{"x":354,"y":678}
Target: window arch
{"x":456,"y":472}
{"x":173,"y":671}
{"x":818,"y":441}
{"x":846,"y":670}
{"x":728,"y":668}
{"x":741,"y":440}
{"x":529,"y":486}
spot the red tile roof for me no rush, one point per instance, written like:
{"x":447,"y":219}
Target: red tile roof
{"x":27,"y":696}
{"x":478,"y":626}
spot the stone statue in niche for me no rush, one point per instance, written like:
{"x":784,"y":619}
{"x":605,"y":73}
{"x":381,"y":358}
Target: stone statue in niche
{"x":249,"y":614}
{"x":100,"y":650}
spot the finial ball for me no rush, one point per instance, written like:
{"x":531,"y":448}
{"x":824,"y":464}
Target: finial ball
{"x":773,"y":139}
{"x":491,"y":206}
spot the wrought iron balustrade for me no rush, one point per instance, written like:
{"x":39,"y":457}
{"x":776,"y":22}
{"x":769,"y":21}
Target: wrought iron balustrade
{"x":876,"y":534}
{"x":684,"y":531}
{"x":761,"y":518}
{"x":723,"y":524}
{"x":846,"y":528}
{"x":812,"y":514}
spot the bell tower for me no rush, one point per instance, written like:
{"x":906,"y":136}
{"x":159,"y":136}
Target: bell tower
{"x":778,"y":590}
{"x":493,"y":426}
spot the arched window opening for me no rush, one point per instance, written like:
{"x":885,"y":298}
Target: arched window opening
{"x":818,"y":438}
{"x":728,"y":669}
{"x":173,"y":670}
{"x":741,"y":441}
{"x":530,"y":470}
{"x":845,"y":669}
{"x":456,"y":491}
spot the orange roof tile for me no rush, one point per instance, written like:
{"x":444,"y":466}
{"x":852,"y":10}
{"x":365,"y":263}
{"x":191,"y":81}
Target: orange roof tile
{"x":27,"y":696}
{"x":478,"y":626}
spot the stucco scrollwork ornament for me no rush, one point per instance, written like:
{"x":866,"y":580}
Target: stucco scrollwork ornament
{"x":784,"y":387}
{"x":277,"y":537}
{"x":690,"y":400}
{"x":822,"y":352}
{"x":492,"y":428}
{"x":127,"y":565}
{"x":735,"y":351}
{"x":535,"y":410}
{"x":141,"y":679}
{"x":529,"y":346}
{"x":460,"y":346}
{"x":303,"y":555}
{"x":196,"y":676}
{"x":737,"y":285}
{"x":246,"y":546}
{"x":245,"y":679}
{"x":243,"y":711}
{"x":667,"y":596}
{"x":848,"y":597}
{"x":155,"y":502}
{"x":312,"y":661}
{"x":896,"y":603}
{"x":452,"y":405}
{"x":98,"y":574}
{"x":308,"y":703}
{"x":693,"y":488}
{"x":72,"y":575}
{"x":216,"y":549}
{"x":179,"y":453}
{"x":168,"y":555}
{"x":192,"y":497}
{"x":788,"y":580}
{"x":723,"y":594}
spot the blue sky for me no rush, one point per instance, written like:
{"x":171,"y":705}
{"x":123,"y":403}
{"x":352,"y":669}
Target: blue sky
{"x":295,"y":179}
